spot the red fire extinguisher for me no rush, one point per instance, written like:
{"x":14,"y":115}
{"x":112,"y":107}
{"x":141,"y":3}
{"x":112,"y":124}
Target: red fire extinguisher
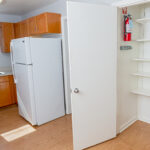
{"x":128,"y":25}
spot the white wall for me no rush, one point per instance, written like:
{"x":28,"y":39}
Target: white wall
{"x":5,"y":58}
{"x":57,"y":7}
{"x":107,"y":2}
{"x":9,"y":18}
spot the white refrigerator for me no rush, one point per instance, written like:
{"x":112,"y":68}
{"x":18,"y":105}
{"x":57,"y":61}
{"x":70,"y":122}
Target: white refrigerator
{"x":37,"y":70}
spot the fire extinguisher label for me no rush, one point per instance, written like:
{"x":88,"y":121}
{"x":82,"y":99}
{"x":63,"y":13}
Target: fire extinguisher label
{"x":128,"y":28}
{"x":131,"y":24}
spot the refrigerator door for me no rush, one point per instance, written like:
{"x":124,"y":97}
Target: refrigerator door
{"x":21,"y":51}
{"x":48,"y":78}
{"x":25,"y":93}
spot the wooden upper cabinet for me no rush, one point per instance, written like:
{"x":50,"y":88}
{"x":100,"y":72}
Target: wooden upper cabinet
{"x":17,"y":30}
{"x":41,"y":22}
{"x":54,"y":23}
{"x":44,"y":23}
{"x":24,"y":28}
{"x":7,"y":34}
{"x":48,"y":23}
{"x":32,"y":27}
{"x":21,"y":29}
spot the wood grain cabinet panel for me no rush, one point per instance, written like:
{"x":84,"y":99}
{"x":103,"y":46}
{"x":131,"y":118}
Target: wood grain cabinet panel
{"x":14,"y":92}
{"x":17,"y":30}
{"x":48,"y":23}
{"x":7,"y":91}
{"x":1,"y":38}
{"x":24,"y":28}
{"x":7,"y":34}
{"x":5,"y":94}
{"x":4,"y":79}
{"x":32,"y":26}
{"x":13,"y":89}
{"x":54,"y":23}
{"x":41,"y":22}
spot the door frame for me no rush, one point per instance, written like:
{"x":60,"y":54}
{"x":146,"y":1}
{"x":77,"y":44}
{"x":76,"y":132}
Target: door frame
{"x":126,"y":3}
{"x":66,"y":71}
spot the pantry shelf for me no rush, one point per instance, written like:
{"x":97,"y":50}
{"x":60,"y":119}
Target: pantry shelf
{"x":142,"y":74}
{"x":143,"y":92}
{"x":143,"y":20}
{"x":143,"y":40}
{"x":141,"y":59}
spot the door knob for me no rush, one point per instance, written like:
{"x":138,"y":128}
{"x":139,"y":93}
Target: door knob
{"x":76,"y":90}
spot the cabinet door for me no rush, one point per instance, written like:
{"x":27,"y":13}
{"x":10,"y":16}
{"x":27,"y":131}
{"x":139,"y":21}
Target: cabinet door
{"x":54,"y":23}
{"x":32,"y":26}
{"x":13,"y":90}
{"x":8,"y":35}
{"x":5,"y":94}
{"x":41,"y":21}
{"x":48,"y":23}
{"x":1,"y":37}
{"x":24,"y":28}
{"x":17,"y":30}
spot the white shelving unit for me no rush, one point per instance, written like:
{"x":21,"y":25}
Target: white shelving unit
{"x":143,"y":20}
{"x":142,"y":74}
{"x":143,"y":92}
{"x":143,"y":40}
{"x":140,"y":91}
{"x":141,"y":59}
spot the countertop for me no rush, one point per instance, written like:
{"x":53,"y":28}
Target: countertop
{"x":5,"y":74}
{"x":6,"y":71}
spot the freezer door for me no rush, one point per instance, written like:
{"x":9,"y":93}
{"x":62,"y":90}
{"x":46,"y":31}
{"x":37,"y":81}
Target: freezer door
{"x":21,"y":51}
{"x":25,"y":94}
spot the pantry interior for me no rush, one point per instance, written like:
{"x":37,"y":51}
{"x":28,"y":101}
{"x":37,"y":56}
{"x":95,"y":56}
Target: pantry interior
{"x":133,"y":76}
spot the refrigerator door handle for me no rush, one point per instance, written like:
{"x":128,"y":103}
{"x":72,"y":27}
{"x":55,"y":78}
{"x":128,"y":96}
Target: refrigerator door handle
{"x":24,"y":64}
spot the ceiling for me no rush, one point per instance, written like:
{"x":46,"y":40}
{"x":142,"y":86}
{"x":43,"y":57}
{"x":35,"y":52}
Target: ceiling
{"x":21,"y":7}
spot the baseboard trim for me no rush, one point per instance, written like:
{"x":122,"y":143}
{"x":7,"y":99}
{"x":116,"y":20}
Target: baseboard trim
{"x":127,"y":124}
{"x":144,"y":119}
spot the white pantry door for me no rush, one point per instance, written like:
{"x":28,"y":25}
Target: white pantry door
{"x":92,"y":31}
